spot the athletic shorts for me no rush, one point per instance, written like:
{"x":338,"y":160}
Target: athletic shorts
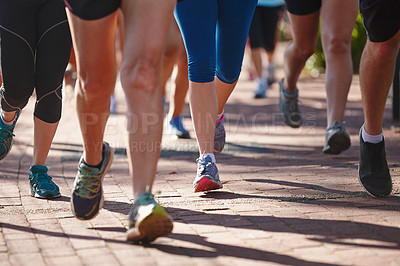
{"x":92,"y":9}
{"x":262,"y":32}
{"x":381,"y":18}
{"x":303,"y":7}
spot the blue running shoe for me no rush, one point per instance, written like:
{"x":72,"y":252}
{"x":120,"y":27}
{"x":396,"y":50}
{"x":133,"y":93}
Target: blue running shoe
{"x":219,"y":135}
{"x":6,"y":137}
{"x":176,"y":128}
{"x":261,"y":91}
{"x":87,"y":198}
{"x":207,"y":175}
{"x":148,"y":220}
{"x":40,"y":183}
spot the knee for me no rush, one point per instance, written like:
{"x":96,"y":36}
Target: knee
{"x":143,"y":75}
{"x":336,"y":45}
{"x":95,"y":87}
{"x":304,"y":51}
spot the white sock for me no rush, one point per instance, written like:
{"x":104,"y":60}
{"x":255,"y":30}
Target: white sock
{"x":371,"y":138}
{"x":204,"y":155}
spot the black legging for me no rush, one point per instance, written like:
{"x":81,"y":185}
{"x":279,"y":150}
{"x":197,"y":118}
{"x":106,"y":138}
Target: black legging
{"x":35,"y":45}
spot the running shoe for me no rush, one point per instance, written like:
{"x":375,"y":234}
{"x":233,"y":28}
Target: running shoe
{"x":373,"y":170}
{"x":207,"y":175}
{"x":289,"y":107}
{"x":219,"y":135}
{"x":6,"y":137}
{"x":271,"y":74}
{"x":87,"y":197}
{"x":40,"y":183}
{"x":148,"y":220}
{"x":261,"y":91}
{"x":336,"y":139}
{"x":175,"y":127}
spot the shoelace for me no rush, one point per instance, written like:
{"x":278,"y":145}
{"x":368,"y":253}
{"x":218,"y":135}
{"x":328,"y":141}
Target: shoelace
{"x":293,"y":105}
{"x":5,"y":132}
{"x":42,"y":178}
{"x":88,"y":186}
{"x":205,"y":167}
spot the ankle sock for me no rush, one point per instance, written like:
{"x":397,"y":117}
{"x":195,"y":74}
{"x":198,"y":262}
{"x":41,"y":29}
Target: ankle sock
{"x":94,"y":166}
{"x":220,"y":117}
{"x":371,"y":138}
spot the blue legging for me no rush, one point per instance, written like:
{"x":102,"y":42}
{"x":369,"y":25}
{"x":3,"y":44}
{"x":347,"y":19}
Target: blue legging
{"x":215,"y":34}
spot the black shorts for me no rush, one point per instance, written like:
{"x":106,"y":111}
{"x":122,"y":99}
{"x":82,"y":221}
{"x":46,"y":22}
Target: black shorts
{"x":92,"y":9}
{"x":262,"y":32}
{"x":381,"y":18}
{"x":303,"y":7}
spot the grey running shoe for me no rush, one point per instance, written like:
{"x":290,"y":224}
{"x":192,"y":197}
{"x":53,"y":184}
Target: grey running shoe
{"x":207,"y":175}
{"x":289,"y":107}
{"x":336,"y":139}
{"x":219,"y":135}
{"x":87,"y":197}
{"x":148,"y":220}
{"x":373,"y":170}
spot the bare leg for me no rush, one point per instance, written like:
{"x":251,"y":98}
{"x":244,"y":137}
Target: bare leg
{"x":257,"y":60}
{"x":141,"y":81}
{"x":43,"y":137}
{"x":181,"y":83}
{"x":203,"y":107}
{"x":305,"y":33}
{"x":378,"y":60}
{"x":8,"y":116}
{"x":336,"y":41}
{"x":96,"y":79}
{"x":224,"y":90}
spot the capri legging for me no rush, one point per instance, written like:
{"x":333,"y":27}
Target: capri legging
{"x":35,"y":48}
{"x":215,"y":34}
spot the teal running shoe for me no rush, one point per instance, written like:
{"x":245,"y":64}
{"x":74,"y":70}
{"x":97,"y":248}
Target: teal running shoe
{"x":207,"y":175}
{"x":87,"y":197}
{"x":40,"y":183}
{"x":148,"y":220}
{"x":6,"y":137}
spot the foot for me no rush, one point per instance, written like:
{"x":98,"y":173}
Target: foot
{"x":148,"y":220}
{"x":336,"y":139}
{"x":6,"y":137}
{"x":373,"y":170}
{"x":87,"y":197}
{"x":207,"y":175}
{"x":41,"y":184}
{"x":261,"y":91}
{"x":175,"y":127}
{"x":271,"y":74}
{"x":219,"y":135}
{"x":289,"y":107}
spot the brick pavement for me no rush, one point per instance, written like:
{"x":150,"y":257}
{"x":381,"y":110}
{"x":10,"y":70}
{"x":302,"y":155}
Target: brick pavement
{"x":283,"y":201}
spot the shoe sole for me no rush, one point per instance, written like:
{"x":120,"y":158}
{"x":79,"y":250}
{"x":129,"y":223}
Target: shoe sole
{"x":34,"y":194}
{"x":158,"y":223}
{"x":108,"y":165}
{"x":205,"y":184}
{"x":369,"y":193}
{"x":337,"y":143}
